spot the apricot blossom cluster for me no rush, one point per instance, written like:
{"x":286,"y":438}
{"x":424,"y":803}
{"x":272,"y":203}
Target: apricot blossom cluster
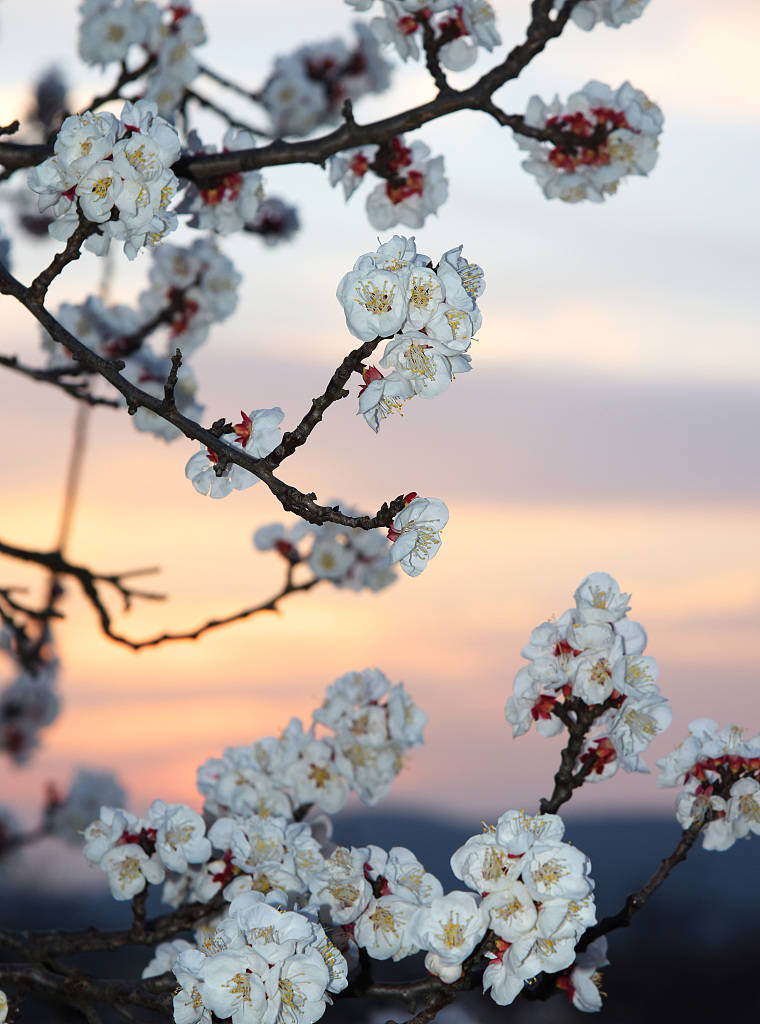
{"x":167,"y":34}
{"x":592,"y":657}
{"x":719,"y":770}
{"x":622,"y":129}
{"x":266,"y":956}
{"x":114,"y":173}
{"x":428,"y":314}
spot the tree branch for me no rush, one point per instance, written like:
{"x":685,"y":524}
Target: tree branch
{"x":38,"y":946}
{"x":76,"y":389}
{"x":636,"y":900}
{"x":89,"y":580}
{"x":335,"y":390}
{"x":207,"y":166}
{"x":578,"y":717}
{"x":291,"y":499}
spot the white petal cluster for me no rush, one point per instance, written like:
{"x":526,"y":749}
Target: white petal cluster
{"x":257,"y":434}
{"x":429,"y":314}
{"x":198,"y":284}
{"x":169,"y":34}
{"x":416,"y":533}
{"x":537,"y":898}
{"x":3,"y":1007}
{"x":352,"y":558}
{"x":149,"y":372}
{"x":577,"y":172}
{"x":135,"y":851}
{"x":466,"y":25}
{"x":260,"y":965}
{"x":108,"y":30}
{"x":719,"y":770}
{"x":372,"y":724}
{"x":613,"y":13}
{"x":413,"y":185}
{"x":114,"y":172}
{"x":232,"y":201}
{"x":308,"y":88}
{"x":593,"y":653}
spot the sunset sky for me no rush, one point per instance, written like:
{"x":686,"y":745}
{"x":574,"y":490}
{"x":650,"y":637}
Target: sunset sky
{"x":611,"y":423}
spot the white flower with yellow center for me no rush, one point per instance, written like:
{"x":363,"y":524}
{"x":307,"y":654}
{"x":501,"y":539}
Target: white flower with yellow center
{"x":374,"y":303}
{"x":296,"y":989}
{"x":598,"y":598}
{"x":98,"y":190}
{"x":428,"y":364}
{"x":382,"y":929}
{"x":232,"y":985}
{"x":531,"y":953}
{"x":744,"y":808}
{"x":180,"y":835}
{"x":382,"y":397}
{"x":556,"y":871}
{"x":424,"y":296}
{"x":85,"y":139}
{"x":341,"y":885}
{"x":416,"y":534}
{"x":129,"y":868}
{"x":634,"y":727}
{"x":454,"y":326}
{"x":317,"y":776}
{"x":511,"y":911}
{"x":463,"y":282}
{"x":484,"y":864}
{"x":450,"y":928}
{"x":585,"y":978}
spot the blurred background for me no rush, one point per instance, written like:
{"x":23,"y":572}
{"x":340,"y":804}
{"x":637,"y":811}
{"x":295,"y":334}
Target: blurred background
{"x":610,"y":423}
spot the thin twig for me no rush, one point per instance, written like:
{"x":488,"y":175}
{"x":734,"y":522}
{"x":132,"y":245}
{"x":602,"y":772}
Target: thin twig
{"x":227,"y":83}
{"x":76,"y":389}
{"x":124,"y":78}
{"x":41,"y":283}
{"x":636,"y":900}
{"x":291,"y":499}
{"x":334,"y":392}
{"x":233,"y":122}
{"x":207,"y":166}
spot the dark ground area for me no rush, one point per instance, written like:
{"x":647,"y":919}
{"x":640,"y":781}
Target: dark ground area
{"x":692,"y":954}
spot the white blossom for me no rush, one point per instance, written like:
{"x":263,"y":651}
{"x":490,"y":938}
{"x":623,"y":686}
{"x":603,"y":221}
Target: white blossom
{"x":129,"y":868}
{"x":180,"y":835}
{"x":584,"y":988}
{"x":258,"y":435}
{"x":416,"y":533}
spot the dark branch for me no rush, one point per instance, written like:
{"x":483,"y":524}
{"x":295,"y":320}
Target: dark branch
{"x":42,"y":945}
{"x":636,"y":900}
{"x":334,"y":392}
{"x":124,"y":78}
{"x":41,"y":283}
{"x":76,"y":389}
{"x":245,"y":613}
{"x":291,"y":499}
{"x":233,"y":122}
{"x":479,"y":96}
{"x":577,"y":717}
